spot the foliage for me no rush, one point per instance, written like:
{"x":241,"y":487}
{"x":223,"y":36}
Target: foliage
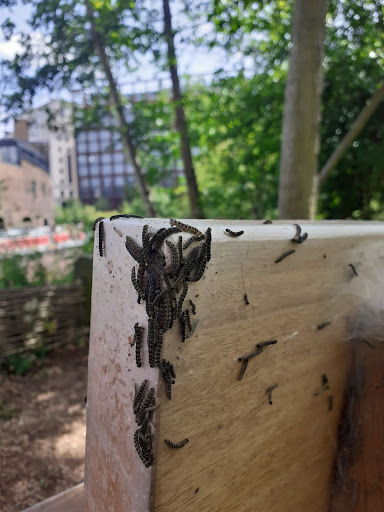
{"x":235,"y":122}
{"x":19,"y":364}
{"x":354,"y":64}
{"x":22,"y":270}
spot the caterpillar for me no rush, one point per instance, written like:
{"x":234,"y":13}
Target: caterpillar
{"x":174,"y":256}
{"x":194,"y":238}
{"x":193,"y":328}
{"x":324,"y":324}
{"x":101,"y":238}
{"x":158,"y":348}
{"x":269,"y":391}
{"x":284,"y":255}
{"x":243,"y":368}
{"x":249,"y":356}
{"x":169,"y":389}
{"x":185,"y":227}
{"x":176,"y":445}
{"x":267,"y":221}
{"x":233,"y":233}
{"x":180,"y":250}
{"x":266,"y":343}
{"x":96,"y":221}
{"x":353,"y":269}
{"x":139,"y":396}
{"x":135,"y":283}
{"x":299,"y":238}
{"x":193,"y":307}
{"x":159,"y":237}
{"x":200,"y":264}
{"x":150,"y":342}
{"x":144,"y":405}
{"x":208,"y":237}
{"x":171,"y":369}
{"x":182,"y":297}
{"x":246,"y":299}
{"x":125,"y":216}
{"x":145,"y":236}
{"x":133,"y":249}
{"x":183,"y":326}
{"x":188,"y":319}
{"x":117,"y":231}
{"x":138,"y":340}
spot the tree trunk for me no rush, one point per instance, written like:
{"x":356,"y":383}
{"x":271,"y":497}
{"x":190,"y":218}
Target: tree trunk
{"x":128,"y":143}
{"x":181,"y":122}
{"x":300,"y":134}
{"x":353,"y":132}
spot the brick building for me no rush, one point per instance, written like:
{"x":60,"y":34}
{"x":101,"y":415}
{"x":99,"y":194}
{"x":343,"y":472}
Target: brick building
{"x":25,"y":186}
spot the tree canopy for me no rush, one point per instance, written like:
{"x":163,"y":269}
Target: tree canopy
{"x":235,"y":120}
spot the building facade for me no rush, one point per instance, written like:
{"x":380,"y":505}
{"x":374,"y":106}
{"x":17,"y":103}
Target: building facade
{"x":102,"y":167}
{"x":25,"y":186}
{"x":51,"y":130}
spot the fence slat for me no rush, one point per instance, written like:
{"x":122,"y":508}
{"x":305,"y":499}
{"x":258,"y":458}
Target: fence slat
{"x":44,"y":316}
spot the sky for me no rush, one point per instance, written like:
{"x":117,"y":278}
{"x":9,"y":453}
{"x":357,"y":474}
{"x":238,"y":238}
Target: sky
{"x":192,"y":62}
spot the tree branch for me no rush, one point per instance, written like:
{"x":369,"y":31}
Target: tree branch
{"x":352,"y":134}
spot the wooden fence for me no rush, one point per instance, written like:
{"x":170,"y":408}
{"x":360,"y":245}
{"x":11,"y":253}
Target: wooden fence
{"x":44,"y":317}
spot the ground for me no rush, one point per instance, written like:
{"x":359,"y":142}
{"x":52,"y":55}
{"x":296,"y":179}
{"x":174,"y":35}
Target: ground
{"x":42,"y":429}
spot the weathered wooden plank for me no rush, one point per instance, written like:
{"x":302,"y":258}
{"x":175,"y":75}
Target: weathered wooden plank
{"x":70,"y":500}
{"x":243,"y":453}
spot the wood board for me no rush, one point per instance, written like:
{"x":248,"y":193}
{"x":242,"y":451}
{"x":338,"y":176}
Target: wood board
{"x":243,"y":453}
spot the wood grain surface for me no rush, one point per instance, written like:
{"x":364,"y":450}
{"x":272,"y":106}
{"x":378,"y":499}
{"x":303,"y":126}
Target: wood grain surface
{"x":245,"y":454}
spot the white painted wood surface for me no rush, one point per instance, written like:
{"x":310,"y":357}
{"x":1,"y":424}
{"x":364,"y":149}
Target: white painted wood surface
{"x":243,"y":454}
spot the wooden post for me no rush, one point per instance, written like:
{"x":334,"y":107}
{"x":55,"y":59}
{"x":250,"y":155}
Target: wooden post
{"x":317,"y":446}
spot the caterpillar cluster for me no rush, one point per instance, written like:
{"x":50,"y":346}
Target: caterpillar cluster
{"x":144,"y":404}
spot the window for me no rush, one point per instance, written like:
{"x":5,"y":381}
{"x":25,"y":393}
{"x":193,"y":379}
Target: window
{"x":95,"y":182}
{"x":131,"y":180}
{"x":82,"y":136}
{"x":106,"y":158}
{"x":106,"y":169}
{"x":69,"y":163}
{"x":10,"y":154}
{"x":33,"y":189}
{"x":84,"y":182}
{"x":84,"y":192}
{"x":120,"y":168}
{"x":92,"y":136}
{"x":81,"y":147}
{"x":82,"y":170}
{"x":94,"y":169}
{"x":119,"y":181}
{"x":61,"y":170}
{"x":107,"y":182}
{"x":93,"y":146}
{"x":118,"y":158}
{"x":43,"y":189}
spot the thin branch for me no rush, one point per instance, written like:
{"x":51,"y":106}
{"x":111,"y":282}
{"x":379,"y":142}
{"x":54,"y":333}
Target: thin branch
{"x":352,"y":134}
